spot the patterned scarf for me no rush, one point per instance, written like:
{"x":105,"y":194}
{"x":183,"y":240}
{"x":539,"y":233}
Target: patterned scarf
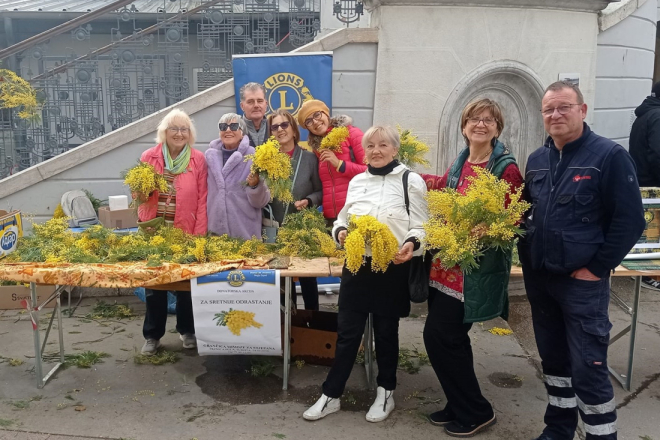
{"x":178,"y":165}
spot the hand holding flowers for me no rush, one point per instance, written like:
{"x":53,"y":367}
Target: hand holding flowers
{"x":462,"y":226}
{"x":270,"y":164}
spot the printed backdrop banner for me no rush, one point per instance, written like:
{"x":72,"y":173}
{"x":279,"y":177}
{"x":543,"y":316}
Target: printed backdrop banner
{"x":237,"y":312}
{"x":290,"y":79}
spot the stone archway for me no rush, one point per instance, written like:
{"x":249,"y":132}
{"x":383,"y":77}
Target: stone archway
{"x":517,"y":89}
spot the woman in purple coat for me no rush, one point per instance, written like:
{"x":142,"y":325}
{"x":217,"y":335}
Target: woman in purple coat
{"x":233,"y":207}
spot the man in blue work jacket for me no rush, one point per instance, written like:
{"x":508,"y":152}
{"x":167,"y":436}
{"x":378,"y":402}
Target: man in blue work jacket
{"x":586,"y":215}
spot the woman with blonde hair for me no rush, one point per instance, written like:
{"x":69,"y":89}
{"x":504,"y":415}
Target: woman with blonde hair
{"x":182,"y":206}
{"x":378,"y":192}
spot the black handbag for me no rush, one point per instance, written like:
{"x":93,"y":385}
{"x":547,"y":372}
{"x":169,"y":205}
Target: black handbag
{"x":420,"y":267}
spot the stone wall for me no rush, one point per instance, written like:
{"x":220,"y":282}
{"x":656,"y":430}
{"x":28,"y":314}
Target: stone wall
{"x":624,"y":70}
{"x":433,"y":59}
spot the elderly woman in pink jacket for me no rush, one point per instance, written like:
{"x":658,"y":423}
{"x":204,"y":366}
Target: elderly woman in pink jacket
{"x":236,"y":196}
{"x":182,"y":206}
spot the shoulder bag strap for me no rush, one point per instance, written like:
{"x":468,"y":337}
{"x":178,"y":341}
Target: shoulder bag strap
{"x":405,"y":191}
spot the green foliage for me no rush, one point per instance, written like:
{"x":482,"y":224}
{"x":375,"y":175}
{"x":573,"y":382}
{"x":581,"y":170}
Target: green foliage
{"x":407,"y":360}
{"x":85,"y":359}
{"x":261,"y":367}
{"x":161,"y":357}
{"x":103,"y":310}
{"x":96,"y":203}
{"x":305,"y":235}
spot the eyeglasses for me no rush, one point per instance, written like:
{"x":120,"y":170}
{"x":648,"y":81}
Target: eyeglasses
{"x":223,"y":126}
{"x":315,"y":117}
{"x":486,"y":121}
{"x":276,"y":127}
{"x":183,"y":130}
{"x":562,"y":110}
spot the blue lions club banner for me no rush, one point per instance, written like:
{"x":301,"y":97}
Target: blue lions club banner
{"x":290,"y":79}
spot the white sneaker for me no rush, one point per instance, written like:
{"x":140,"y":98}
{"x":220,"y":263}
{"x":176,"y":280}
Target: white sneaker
{"x":324,"y":406}
{"x":382,"y":407}
{"x":189,"y":340}
{"x":150,"y":347}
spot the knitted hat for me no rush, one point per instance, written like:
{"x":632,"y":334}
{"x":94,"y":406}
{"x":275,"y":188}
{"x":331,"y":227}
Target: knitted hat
{"x":655,"y":90}
{"x":309,"y":108}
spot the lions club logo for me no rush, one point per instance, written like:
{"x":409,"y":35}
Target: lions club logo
{"x":286,"y":91}
{"x":236,"y":278}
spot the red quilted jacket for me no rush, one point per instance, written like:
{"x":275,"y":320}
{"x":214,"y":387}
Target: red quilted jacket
{"x":335,"y":184}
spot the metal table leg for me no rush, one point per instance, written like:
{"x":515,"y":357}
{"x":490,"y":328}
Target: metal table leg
{"x":34,"y":316}
{"x":34,"y":310}
{"x":369,"y":351}
{"x":287,"y":332}
{"x":626,"y":380}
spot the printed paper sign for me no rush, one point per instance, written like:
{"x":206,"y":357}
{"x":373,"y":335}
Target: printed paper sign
{"x":237,"y":312}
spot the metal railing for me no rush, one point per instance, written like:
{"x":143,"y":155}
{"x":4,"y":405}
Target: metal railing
{"x":134,"y":64}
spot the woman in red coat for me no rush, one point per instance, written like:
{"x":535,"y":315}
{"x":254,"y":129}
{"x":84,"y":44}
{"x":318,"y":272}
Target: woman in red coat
{"x":336,"y":169}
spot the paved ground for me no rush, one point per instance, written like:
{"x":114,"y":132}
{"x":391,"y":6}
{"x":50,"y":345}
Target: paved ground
{"x":216,"y":398}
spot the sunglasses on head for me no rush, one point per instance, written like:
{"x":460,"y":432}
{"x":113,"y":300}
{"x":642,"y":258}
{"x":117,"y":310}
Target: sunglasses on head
{"x":223,"y":126}
{"x":276,"y":127}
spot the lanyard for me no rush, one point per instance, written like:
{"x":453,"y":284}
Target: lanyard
{"x":293,"y":184}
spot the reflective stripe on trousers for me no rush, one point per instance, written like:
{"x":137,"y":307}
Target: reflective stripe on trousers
{"x":604,"y":429}
{"x":562,"y":402}
{"x":558,"y":381}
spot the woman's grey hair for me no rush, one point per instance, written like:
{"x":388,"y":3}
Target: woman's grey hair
{"x":387,"y":133}
{"x":229,"y":117}
{"x":178,"y":118}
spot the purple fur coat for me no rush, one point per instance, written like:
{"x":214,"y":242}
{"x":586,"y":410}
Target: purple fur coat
{"x":233,"y":208}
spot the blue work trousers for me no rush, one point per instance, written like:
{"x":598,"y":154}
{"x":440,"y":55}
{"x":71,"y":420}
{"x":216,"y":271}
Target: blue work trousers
{"x":572,"y":329}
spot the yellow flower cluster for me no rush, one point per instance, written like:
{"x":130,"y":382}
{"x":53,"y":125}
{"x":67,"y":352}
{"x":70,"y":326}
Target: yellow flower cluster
{"x":274,"y":167}
{"x":366,"y":231}
{"x":143,"y":179}
{"x":461,"y":227}
{"x":236,"y":320}
{"x":17,"y":92}
{"x":412,"y":151}
{"x":52,"y":242}
{"x":59,"y":212}
{"x":333,"y":140}
{"x":500,"y":331}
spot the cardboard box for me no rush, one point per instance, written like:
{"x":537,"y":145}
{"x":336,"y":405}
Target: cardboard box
{"x":120,"y":219}
{"x":11,"y":296}
{"x":314,"y":336}
{"x":11,"y":229}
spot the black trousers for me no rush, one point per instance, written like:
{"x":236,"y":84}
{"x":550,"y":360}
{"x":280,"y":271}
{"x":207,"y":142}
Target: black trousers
{"x":450,"y":352}
{"x":350,"y":328}
{"x":156,"y":316}
{"x":310,"y":292}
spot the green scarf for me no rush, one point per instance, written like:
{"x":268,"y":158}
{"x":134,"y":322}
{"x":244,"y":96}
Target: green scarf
{"x":178,"y":165}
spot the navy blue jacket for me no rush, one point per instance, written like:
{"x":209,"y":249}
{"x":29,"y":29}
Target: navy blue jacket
{"x":586,"y":206}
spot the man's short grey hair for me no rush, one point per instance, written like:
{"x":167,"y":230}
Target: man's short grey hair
{"x":561,"y":85}
{"x":251,"y":86}
{"x":387,"y":133}
{"x":228,"y":118}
